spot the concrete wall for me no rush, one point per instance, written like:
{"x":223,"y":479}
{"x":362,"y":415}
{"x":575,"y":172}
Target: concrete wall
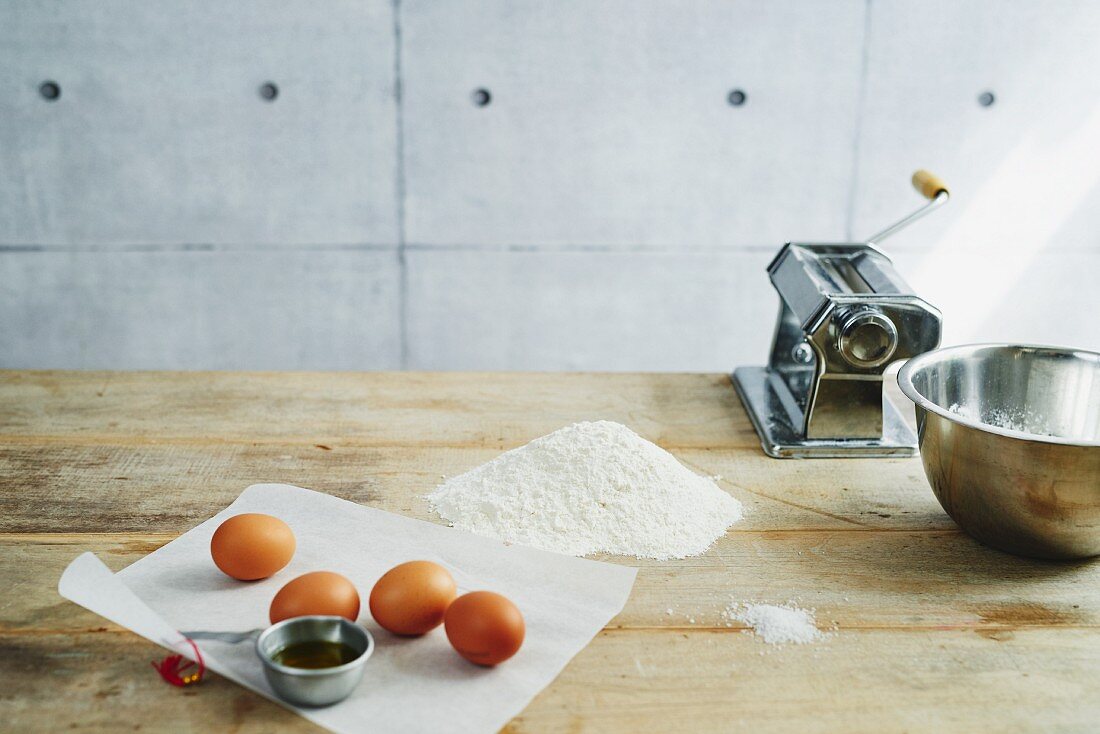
{"x":607,"y":209}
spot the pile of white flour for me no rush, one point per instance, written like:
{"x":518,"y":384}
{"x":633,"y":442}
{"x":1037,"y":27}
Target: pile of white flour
{"x":777,"y":625}
{"x":590,"y":488}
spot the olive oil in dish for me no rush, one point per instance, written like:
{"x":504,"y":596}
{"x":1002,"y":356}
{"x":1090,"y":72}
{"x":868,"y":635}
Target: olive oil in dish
{"x":315,"y":654}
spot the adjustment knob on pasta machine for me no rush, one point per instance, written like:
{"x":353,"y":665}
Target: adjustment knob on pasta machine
{"x":867,"y":338}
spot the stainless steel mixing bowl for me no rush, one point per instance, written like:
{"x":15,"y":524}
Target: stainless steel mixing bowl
{"x":1010,"y":440}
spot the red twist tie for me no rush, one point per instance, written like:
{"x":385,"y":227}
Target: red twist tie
{"x":171,"y":669}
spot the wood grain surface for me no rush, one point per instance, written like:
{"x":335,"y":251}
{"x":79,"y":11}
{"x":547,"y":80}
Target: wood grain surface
{"x":929,"y":631}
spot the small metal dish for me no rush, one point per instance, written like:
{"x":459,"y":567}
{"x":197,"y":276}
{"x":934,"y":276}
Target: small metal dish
{"x":1010,"y":440}
{"x":309,"y":686}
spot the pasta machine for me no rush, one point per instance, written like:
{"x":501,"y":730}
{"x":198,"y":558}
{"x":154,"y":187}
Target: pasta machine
{"x":844,"y":316}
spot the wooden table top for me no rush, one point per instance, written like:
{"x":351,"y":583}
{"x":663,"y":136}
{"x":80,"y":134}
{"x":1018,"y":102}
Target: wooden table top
{"x":933,"y":631}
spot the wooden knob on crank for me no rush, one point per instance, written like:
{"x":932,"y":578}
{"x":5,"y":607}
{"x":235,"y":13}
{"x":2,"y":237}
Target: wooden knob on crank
{"x":929,"y":184}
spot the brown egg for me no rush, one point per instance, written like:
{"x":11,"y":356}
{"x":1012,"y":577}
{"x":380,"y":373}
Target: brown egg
{"x":485,"y":628}
{"x":320,"y":592}
{"x":411,"y":599}
{"x":252,"y":546}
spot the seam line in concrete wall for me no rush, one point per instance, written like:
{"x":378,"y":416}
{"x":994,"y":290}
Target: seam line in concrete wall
{"x":701,"y":249}
{"x":399,"y":170}
{"x":465,"y":247}
{"x":861,"y":95}
{"x":204,"y":247}
{"x":573,"y":247}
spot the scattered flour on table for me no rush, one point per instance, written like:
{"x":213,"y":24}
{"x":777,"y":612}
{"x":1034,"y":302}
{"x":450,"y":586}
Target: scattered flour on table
{"x":775,"y":624}
{"x":590,"y":488}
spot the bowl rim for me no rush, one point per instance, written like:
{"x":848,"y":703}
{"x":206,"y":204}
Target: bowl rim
{"x":335,"y":670}
{"x":905,"y":382}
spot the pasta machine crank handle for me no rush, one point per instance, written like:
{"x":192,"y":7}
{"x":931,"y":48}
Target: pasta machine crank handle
{"x":932,"y":188}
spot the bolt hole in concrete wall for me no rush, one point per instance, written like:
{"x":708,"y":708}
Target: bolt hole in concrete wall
{"x":50,"y":91}
{"x":482,"y":97}
{"x":269,"y":91}
{"x":488,"y":184}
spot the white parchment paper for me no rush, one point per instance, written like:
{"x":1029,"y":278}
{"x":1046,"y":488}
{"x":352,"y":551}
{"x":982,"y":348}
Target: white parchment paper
{"x":411,"y":685}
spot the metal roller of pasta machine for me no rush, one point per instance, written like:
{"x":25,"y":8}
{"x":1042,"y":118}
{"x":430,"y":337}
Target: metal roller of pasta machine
{"x":845,"y":314}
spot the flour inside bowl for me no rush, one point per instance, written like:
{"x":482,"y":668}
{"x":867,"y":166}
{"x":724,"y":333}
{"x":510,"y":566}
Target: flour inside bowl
{"x":594,"y":487}
{"x":1016,"y":419}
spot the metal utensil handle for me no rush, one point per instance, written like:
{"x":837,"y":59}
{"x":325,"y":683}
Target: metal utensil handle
{"x":930,"y":187}
{"x":230,"y":637}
